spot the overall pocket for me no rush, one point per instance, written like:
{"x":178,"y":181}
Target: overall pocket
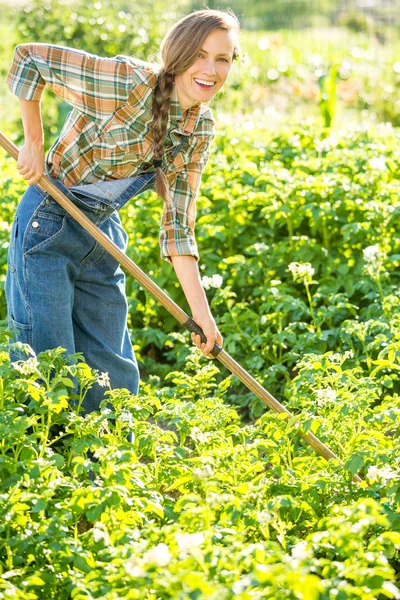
{"x":43,"y":229}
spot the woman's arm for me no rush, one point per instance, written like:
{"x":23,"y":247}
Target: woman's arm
{"x":187,"y":272}
{"x":30,"y":162}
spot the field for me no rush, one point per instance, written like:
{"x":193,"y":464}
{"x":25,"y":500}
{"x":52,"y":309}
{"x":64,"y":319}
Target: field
{"x":217,"y":497}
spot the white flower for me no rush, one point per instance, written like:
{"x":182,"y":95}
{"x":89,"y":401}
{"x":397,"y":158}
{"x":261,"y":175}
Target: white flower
{"x":205,"y":282}
{"x":26,"y":367}
{"x":203,"y":473}
{"x":105,"y":411}
{"x":126,"y":417}
{"x":326,"y":395}
{"x":326,"y":144}
{"x":160,"y":555}
{"x":133,"y":569}
{"x":384,"y":474}
{"x":294,"y":140}
{"x":97,"y":534}
{"x":198,"y":435}
{"x":301,"y":271}
{"x":239,"y":586}
{"x":215,"y":281}
{"x":100,"y":532}
{"x":283,"y":174}
{"x":187,"y":541}
{"x":301,"y":551}
{"x":357,"y":527}
{"x":260,"y":247}
{"x":264,"y":517}
{"x":378,"y":163}
{"x":390,"y":587}
{"x":337,"y":358}
{"x":372,"y":254}
{"x":103,"y":380}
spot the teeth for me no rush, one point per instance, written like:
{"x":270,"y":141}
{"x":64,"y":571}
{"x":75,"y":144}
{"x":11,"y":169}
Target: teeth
{"x":209,"y":83}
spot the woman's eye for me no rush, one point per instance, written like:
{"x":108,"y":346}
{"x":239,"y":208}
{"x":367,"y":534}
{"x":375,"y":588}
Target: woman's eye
{"x":202,"y":56}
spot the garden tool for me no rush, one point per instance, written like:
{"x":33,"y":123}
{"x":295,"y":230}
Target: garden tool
{"x":46,"y":184}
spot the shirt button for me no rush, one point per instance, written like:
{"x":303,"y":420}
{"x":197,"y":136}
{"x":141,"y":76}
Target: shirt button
{"x":35,"y":224}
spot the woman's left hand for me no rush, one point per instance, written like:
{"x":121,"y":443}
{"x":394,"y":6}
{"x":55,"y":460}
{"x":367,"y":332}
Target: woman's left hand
{"x":210,"y":330}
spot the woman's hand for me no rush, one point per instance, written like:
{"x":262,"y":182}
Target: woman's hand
{"x":210,"y":329}
{"x":30,"y":162}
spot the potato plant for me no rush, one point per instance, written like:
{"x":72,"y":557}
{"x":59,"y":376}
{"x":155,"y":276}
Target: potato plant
{"x":199,"y":505}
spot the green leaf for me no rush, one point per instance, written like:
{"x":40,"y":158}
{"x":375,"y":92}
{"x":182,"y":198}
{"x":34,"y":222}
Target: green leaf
{"x":34,"y":580}
{"x":93,"y":514}
{"x":39,"y":505}
{"x":179,"y":482}
{"x":354,"y":464}
{"x":80,"y":562}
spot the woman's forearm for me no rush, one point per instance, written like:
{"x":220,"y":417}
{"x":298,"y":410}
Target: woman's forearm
{"x":31,"y":120}
{"x":31,"y":157}
{"x":189,"y":277}
{"x":187,"y":271}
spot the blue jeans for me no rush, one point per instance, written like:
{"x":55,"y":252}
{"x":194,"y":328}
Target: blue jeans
{"x":64,"y":289}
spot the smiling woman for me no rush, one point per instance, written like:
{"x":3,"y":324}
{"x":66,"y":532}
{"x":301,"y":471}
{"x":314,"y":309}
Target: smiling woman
{"x":133,"y":125}
{"x":196,"y":56}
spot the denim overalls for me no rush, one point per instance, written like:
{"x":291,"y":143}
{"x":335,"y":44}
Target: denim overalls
{"x":64,"y":289}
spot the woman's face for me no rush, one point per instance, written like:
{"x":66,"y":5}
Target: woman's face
{"x":212,"y":65}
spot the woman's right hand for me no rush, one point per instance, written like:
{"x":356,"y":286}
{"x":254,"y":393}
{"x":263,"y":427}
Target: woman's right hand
{"x":210,"y":330}
{"x":30,"y":162}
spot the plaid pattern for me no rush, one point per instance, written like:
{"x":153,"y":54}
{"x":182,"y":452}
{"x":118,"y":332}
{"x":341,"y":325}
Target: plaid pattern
{"x":107,"y":134}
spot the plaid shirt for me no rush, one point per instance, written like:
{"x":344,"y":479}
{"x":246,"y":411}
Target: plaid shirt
{"x":108,"y":134}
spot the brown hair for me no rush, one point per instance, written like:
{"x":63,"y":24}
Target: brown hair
{"x":178,"y":51}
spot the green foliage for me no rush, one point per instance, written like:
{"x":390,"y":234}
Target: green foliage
{"x":355,"y":20}
{"x":281,"y":78}
{"x":197,"y":506}
{"x":106,"y":29}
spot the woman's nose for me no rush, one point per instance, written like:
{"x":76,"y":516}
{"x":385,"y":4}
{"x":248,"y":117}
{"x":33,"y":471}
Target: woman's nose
{"x":209,"y":67}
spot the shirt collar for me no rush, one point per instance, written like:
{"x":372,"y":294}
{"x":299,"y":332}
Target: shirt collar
{"x":185,"y":124}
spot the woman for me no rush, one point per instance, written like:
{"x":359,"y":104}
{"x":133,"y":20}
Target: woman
{"x":133,"y":126}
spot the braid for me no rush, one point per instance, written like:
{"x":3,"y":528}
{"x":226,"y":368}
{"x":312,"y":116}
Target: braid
{"x":160,"y":108}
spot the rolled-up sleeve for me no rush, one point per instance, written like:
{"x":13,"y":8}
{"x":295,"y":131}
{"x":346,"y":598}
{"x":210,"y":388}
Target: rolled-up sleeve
{"x":94,"y":85}
{"x":177,"y":236}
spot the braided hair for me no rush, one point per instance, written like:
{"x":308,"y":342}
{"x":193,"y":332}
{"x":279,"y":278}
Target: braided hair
{"x":178,"y":51}
{"x":160,"y":108}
